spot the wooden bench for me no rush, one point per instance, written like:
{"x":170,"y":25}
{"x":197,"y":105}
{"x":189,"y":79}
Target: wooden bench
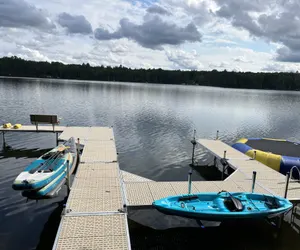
{"x":44,"y":119}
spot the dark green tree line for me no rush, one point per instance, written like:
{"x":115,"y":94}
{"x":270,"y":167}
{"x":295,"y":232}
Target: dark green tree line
{"x":14,"y":66}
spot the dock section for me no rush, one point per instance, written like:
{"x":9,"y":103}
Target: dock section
{"x":269,"y":181}
{"x":144,"y":193}
{"x":266,"y":177}
{"x":94,"y":216}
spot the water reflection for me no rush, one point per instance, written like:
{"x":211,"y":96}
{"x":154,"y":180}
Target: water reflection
{"x":153,"y":125}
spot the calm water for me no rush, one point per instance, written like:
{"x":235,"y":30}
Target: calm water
{"x":153,"y":125}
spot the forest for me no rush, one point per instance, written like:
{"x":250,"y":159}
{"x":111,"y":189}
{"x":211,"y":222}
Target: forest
{"x":14,"y":66}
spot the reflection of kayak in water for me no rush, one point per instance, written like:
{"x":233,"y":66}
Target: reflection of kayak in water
{"x":280,"y":155}
{"x":48,"y":167}
{"x":223,"y":206}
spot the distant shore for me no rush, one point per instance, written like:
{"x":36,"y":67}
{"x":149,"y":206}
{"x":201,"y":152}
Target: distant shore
{"x":15,"y":67}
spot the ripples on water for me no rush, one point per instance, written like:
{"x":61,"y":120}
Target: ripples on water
{"x":153,"y":125}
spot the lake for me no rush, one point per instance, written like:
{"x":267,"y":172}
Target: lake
{"x":153,"y":126}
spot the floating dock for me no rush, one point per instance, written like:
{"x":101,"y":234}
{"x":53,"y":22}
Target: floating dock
{"x":95,"y":215}
{"x":267,"y":178}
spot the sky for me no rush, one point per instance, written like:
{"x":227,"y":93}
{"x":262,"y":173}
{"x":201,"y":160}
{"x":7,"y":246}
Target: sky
{"x":233,"y":35}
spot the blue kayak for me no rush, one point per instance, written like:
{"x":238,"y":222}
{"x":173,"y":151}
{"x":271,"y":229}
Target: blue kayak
{"x":223,"y":205}
{"x":47,"y":168}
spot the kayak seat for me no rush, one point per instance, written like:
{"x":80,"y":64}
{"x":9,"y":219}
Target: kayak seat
{"x":48,"y":170}
{"x":272,"y":203}
{"x":233,"y":204}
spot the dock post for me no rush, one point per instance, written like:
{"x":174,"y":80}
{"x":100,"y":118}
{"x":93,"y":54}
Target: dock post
{"x":78,"y":150}
{"x":253,"y":181}
{"x":190,"y":181}
{"x":224,"y":156}
{"x":56,"y":139}
{"x":68,"y":176}
{"x":217,"y":137}
{"x":3,"y":136}
{"x":223,"y":170}
{"x":287,"y":184}
{"x":193,"y":141}
{"x":215,"y":161}
{"x":78,"y":143}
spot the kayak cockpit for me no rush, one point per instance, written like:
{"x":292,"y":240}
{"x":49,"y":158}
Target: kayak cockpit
{"x":233,"y":204}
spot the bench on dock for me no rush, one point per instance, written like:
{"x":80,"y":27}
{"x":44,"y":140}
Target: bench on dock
{"x":44,"y":119}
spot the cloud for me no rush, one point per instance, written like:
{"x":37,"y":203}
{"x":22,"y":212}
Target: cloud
{"x":285,"y":54}
{"x":184,"y":60}
{"x":279,"y":67}
{"x":20,"y":14}
{"x":274,"y":21}
{"x":242,"y":59}
{"x":119,"y":49}
{"x":152,"y":33}
{"x":29,"y":54}
{"x":156,"y":9}
{"x":75,"y":24}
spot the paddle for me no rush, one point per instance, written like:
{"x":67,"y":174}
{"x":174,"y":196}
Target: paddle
{"x":236,"y":204}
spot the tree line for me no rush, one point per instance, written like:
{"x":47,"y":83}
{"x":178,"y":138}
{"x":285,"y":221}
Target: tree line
{"x":14,"y":66}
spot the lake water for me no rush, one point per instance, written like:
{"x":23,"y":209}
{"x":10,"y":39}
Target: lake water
{"x":153,"y":125}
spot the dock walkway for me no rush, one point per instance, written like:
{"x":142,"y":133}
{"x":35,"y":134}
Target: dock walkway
{"x":94,"y":216}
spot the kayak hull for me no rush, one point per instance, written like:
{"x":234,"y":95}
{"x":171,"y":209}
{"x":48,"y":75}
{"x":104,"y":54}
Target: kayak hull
{"x":51,"y":190}
{"x":47,"y":168}
{"x":212,"y":206}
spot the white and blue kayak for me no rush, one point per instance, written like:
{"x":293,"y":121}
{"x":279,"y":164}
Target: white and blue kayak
{"x":50,"y":190}
{"x":48,"y":168}
{"x":224,"y":205}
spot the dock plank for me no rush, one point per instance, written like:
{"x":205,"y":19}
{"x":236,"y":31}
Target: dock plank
{"x":99,"y":152}
{"x":93,"y":232}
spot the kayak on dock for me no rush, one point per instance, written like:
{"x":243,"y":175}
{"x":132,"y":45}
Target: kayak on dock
{"x":45,"y":170}
{"x":223,"y":206}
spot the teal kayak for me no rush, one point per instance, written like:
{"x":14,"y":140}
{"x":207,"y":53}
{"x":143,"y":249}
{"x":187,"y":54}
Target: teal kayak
{"x":52,"y":188}
{"x":224,"y":205}
{"x":47,"y":168}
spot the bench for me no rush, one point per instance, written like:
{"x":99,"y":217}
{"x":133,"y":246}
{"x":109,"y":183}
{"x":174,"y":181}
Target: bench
{"x":44,"y":119}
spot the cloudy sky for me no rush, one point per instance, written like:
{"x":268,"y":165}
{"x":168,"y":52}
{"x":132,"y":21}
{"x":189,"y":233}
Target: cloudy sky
{"x":241,"y":35}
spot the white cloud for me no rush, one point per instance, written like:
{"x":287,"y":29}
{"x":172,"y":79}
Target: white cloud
{"x":232,"y":43}
{"x":184,"y":60}
{"x":280,"y":67}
